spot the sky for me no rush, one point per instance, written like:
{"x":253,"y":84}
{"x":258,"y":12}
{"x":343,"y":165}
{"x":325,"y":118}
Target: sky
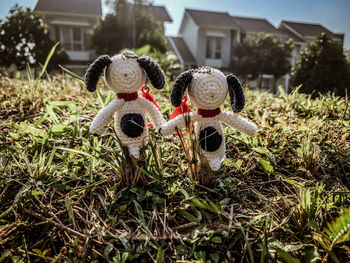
{"x":333,"y":14}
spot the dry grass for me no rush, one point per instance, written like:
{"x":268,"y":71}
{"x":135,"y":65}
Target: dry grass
{"x":61,"y":196}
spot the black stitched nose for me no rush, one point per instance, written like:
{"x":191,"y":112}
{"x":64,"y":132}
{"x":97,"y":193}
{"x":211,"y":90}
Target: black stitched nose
{"x":132,"y":125}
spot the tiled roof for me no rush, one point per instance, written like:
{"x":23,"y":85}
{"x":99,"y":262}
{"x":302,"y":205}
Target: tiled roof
{"x":212,"y":19}
{"x":178,"y":45}
{"x":160,"y":13}
{"x":310,"y":29}
{"x":90,"y":7}
{"x":288,"y":34}
{"x":255,"y":25}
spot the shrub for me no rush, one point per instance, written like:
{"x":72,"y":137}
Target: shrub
{"x":322,"y":67}
{"x":24,"y":39}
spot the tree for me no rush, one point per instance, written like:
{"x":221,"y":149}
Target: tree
{"x":322,"y":67}
{"x":168,"y":61}
{"x":24,"y":39}
{"x":130,"y":26}
{"x":260,"y":54}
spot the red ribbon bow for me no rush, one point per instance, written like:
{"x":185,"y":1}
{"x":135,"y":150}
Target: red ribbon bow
{"x":183,"y":108}
{"x":147,"y":95}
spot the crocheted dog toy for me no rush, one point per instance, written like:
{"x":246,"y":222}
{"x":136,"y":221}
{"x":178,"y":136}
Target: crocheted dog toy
{"x":125,"y":74}
{"x":207,"y":90}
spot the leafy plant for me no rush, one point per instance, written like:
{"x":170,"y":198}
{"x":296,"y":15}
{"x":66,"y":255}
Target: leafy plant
{"x":322,"y":68}
{"x":61,"y":197}
{"x":130,"y":26}
{"x":168,"y":61}
{"x":260,"y":54}
{"x":336,"y":232}
{"x":198,"y":166}
{"x":25,"y":40}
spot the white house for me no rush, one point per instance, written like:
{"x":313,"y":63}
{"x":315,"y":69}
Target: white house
{"x":69,"y":22}
{"x":207,"y":39}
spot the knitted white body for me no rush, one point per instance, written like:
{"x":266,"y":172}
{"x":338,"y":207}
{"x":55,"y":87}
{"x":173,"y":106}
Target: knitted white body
{"x":216,"y":157}
{"x":125,"y":76}
{"x":119,"y":108}
{"x":207,"y":91}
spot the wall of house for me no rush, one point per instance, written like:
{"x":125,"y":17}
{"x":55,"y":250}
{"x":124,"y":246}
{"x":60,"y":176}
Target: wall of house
{"x":190,"y":34}
{"x":200,"y":55}
{"x":226,"y":49}
{"x":86,"y":24}
{"x":226,"y":45}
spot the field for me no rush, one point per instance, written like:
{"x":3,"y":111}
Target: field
{"x":68,"y":196}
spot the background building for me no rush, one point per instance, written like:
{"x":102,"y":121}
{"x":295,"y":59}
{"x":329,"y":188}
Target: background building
{"x":71,"y":21}
{"x":207,"y":39}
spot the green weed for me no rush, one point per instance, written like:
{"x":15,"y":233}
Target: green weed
{"x":66,"y":195}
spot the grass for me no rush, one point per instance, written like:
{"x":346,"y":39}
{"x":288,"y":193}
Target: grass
{"x":281,"y":196}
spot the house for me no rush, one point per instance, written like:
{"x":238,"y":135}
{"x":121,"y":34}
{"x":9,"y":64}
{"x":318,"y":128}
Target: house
{"x":303,"y":33}
{"x":69,"y":22}
{"x":161,"y":14}
{"x":308,"y":32}
{"x":207,"y":38}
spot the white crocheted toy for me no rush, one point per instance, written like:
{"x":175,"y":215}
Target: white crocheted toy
{"x":207,"y":90}
{"x":126,"y":74}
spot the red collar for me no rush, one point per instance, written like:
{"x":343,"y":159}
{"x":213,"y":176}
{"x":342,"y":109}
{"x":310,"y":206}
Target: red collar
{"x":127,"y":96}
{"x":209,"y":113}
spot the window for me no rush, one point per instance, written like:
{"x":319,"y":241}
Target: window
{"x":72,"y":38}
{"x":213,"y":48}
{"x":57,"y":33}
{"x":66,"y":38}
{"x":77,"y":39}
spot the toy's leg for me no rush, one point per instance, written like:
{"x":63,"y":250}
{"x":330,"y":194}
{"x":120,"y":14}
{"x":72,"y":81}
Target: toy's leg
{"x":134,"y":151}
{"x":214,"y":164}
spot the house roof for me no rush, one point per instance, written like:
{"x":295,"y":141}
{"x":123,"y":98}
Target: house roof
{"x":89,"y":7}
{"x":256,"y":25}
{"x":178,"y":45}
{"x":212,"y":19}
{"x":310,"y":29}
{"x":287,"y":34}
{"x":160,"y":13}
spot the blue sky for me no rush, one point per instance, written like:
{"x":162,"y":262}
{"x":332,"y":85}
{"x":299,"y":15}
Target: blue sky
{"x":334,"y":14}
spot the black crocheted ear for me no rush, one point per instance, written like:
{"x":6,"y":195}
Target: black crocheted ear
{"x":95,"y":70}
{"x":235,"y":90}
{"x":179,"y":87}
{"x":154,"y":72}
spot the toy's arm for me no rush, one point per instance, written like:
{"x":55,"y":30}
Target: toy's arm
{"x":99,"y":124}
{"x":179,"y":122}
{"x":155,"y":115}
{"x":238,"y":122}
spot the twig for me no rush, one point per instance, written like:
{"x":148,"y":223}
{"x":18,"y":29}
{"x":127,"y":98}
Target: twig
{"x":46,"y":258}
{"x":346,"y":104}
{"x":49,"y":220}
{"x":4,"y":191}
